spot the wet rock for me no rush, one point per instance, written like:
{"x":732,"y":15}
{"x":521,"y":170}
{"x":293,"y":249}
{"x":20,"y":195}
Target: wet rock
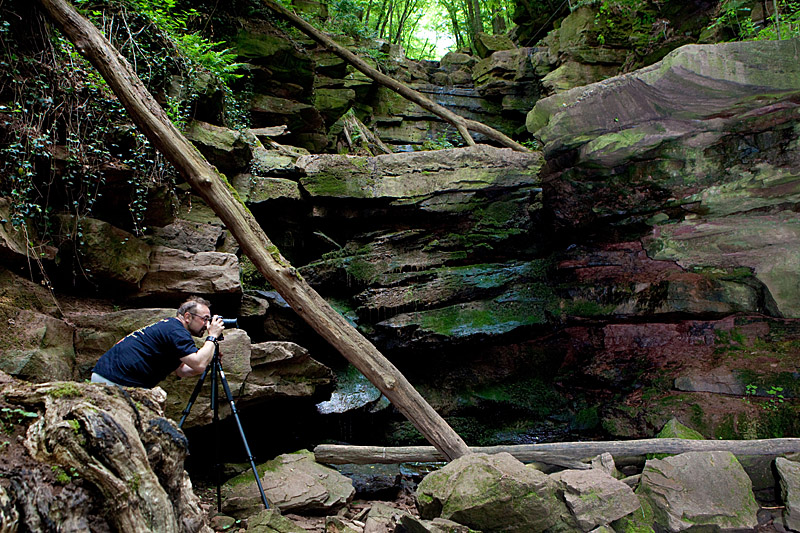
{"x":353,"y":391}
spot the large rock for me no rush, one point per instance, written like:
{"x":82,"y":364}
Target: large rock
{"x":36,"y":347}
{"x":281,"y":368}
{"x":789,"y":477}
{"x":225,"y":148}
{"x":418,"y":177}
{"x":491,"y":493}
{"x":292,"y":482}
{"x":699,"y":489}
{"x":595,"y":498}
{"x":178,"y":273}
{"x":105,"y":254}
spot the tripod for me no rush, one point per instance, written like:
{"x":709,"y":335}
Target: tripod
{"x":215,"y":367}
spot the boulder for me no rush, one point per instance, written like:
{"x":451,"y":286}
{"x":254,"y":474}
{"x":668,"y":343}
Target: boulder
{"x":437,"y":525}
{"x":292,"y":483}
{"x":281,"y":368}
{"x":105,"y":254}
{"x":453,"y":61}
{"x":178,"y":273}
{"x":699,"y":489}
{"x":275,"y":162}
{"x":17,"y":292}
{"x":190,"y":236}
{"x":36,"y":347}
{"x":789,"y":478}
{"x":504,"y":73}
{"x":595,"y":498}
{"x":256,"y":189}
{"x":605,"y":463}
{"x":491,"y":492}
{"x":487,"y":45}
{"x":225,"y":148}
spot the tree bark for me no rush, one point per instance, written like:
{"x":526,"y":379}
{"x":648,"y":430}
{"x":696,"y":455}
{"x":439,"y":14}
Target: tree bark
{"x":463,"y":125}
{"x":206,"y":181}
{"x":557,"y":453}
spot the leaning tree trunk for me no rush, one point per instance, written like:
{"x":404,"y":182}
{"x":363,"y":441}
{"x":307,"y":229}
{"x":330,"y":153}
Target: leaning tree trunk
{"x":206,"y":181}
{"x":462,"y":124}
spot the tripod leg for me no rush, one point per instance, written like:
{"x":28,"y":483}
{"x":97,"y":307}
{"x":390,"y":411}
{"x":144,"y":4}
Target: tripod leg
{"x":194,"y":395}
{"x":228,"y":394}
{"x":215,"y":424}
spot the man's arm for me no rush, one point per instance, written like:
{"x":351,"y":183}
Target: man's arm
{"x":194,"y":364}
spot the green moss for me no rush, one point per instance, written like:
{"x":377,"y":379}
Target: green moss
{"x":639,"y":521}
{"x":533,"y":395}
{"x":65,"y":390}
{"x":251,"y":278}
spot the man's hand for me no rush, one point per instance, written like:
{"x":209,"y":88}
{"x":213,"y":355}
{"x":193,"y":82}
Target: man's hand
{"x":215,"y":327}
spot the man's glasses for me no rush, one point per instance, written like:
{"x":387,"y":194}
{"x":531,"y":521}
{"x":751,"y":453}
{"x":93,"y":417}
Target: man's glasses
{"x":205,"y":318}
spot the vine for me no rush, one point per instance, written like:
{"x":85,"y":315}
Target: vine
{"x":62,"y":129}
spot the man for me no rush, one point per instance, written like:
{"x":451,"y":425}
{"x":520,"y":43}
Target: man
{"x":148,"y":355}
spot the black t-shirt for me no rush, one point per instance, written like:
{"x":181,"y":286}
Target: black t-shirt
{"x":148,"y":355}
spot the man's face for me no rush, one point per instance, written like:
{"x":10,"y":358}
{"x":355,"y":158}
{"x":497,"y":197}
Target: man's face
{"x":198,"y":320}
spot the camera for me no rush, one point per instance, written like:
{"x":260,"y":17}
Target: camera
{"x":228,"y":323}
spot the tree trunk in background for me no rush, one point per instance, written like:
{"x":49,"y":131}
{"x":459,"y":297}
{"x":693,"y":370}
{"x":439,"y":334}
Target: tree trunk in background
{"x":462,"y":125}
{"x":206,"y":181}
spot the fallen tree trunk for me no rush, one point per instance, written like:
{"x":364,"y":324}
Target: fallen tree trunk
{"x":214,"y":189}
{"x":462,"y":124}
{"x":556,"y":453}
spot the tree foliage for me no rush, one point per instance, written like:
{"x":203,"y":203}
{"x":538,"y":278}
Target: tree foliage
{"x":416,"y":25}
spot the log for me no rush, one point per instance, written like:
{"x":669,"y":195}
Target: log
{"x":556,"y":453}
{"x":151,"y":119}
{"x":462,"y":124}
